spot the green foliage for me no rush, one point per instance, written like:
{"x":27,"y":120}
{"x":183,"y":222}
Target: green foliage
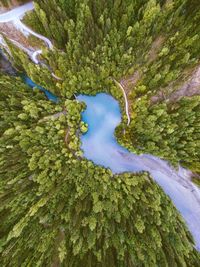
{"x":58,"y":208}
{"x":103,"y":39}
{"x":168,"y":130}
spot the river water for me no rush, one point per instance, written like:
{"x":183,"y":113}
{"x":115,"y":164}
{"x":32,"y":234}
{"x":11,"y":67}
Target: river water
{"x":99,"y":145}
{"x":30,"y":83}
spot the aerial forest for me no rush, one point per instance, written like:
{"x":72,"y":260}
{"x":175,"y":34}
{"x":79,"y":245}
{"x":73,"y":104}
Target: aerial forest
{"x":59,"y":208}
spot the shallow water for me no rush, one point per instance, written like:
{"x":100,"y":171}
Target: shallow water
{"x":48,"y":94}
{"x":99,"y":145}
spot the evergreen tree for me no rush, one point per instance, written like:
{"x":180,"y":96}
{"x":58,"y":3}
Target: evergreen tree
{"x":60,"y":209}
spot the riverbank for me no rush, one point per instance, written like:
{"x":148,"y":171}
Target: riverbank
{"x":20,"y":35}
{"x":99,"y":145}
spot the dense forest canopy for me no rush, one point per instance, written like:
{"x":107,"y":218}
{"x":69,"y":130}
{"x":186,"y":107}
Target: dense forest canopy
{"x":59,"y":209}
{"x":150,"y":46}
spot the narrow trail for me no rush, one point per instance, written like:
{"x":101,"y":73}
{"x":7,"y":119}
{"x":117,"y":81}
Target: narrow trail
{"x":29,"y":52}
{"x":32,"y":54}
{"x":126,"y":100}
{"x":22,"y":27}
{"x":35,"y":55}
{"x":53,"y":116}
{"x":34,"y":58}
{"x":15,"y":15}
{"x":185,"y":195}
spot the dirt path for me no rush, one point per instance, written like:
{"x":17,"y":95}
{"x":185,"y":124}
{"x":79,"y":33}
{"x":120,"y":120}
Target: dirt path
{"x":188,"y":88}
{"x":22,"y":27}
{"x":14,"y":16}
{"x":129,"y":82}
{"x":125,"y":99}
{"x":155,"y":48}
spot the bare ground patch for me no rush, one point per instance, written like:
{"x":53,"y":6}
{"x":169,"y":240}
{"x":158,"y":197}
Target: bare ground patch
{"x":12,"y":33}
{"x":189,"y":88}
{"x":187,"y":85}
{"x":155,"y":48}
{"x":129,"y":82}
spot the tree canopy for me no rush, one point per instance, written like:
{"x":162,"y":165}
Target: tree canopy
{"x":59,"y":209}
